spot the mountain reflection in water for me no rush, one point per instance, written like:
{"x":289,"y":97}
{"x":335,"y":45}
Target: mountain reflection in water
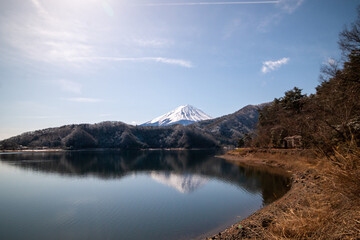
{"x":184,"y":183}
{"x":186,"y":171}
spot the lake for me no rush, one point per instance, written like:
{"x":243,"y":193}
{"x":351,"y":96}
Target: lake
{"x":128,"y":195}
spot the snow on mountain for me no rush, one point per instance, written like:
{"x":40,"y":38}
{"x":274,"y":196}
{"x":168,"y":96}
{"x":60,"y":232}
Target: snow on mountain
{"x":184,"y":183}
{"x":184,"y":115}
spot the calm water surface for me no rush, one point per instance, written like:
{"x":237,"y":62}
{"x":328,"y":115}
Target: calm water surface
{"x":127,"y":195}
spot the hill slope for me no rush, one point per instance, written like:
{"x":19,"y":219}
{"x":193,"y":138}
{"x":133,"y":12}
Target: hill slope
{"x":212,"y":133}
{"x":111,"y":135}
{"x":229,"y":128}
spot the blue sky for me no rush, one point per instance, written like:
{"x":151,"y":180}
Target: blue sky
{"x":86,"y":61}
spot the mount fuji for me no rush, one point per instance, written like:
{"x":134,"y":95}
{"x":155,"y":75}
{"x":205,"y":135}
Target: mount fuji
{"x":184,"y":115}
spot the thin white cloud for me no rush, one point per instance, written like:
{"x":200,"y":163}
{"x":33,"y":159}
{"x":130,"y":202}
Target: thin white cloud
{"x":331,"y":61}
{"x":156,"y":43}
{"x":290,"y":5}
{"x":172,"y":61}
{"x":268,"y":21}
{"x":207,"y":3}
{"x":44,"y":36}
{"x":286,"y":6}
{"x":41,"y":36}
{"x":108,"y":9}
{"x":269,"y":66}
{"x":69,"y":86}
{"x":42,"y":11}
{"x":84,"y":100}
{"x":232,"y":27}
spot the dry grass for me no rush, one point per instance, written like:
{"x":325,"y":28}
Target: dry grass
{"x":332,"y":212}
{"x":303,"y":221}
{"x":324,"y":202}
{"x":326,"y":215}
{"x":293,"y":158}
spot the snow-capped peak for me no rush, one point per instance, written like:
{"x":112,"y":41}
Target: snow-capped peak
{"x":184,"y":115}
{"x":184,"y":183}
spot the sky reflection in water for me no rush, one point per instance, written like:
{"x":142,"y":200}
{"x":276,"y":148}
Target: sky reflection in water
{"x":127,"y":195}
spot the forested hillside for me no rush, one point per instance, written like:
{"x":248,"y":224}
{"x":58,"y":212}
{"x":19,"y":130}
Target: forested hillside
{"x":327,"y":121}
{"x":230,"y":128}
{"x":207,"y":134}
{"x":111,"y":135}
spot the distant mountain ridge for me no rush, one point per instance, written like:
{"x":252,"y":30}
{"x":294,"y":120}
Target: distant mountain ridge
{"x":112,"y":135}
{"x":229,"y":128}
{"x":183,"y":115}
{"x":212,"y":133}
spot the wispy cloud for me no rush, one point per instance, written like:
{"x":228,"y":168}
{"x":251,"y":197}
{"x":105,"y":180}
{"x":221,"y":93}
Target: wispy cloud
{"x":69,"y":86}
{"x":231,"y":28}
{"x":269,"y":66}
{"x":207,"y":3}
{"x":287,"y":7}
{"x":330,"y":61}
{"x":41,"y":36}
{"x":44,"y":36}
{"x":84,"y":100}
{"x":172,"y":61}
{"x":108,"y":9}
{"x":268,"y":21}
{"x":156,"y":43}
{"x":290,"y":5}
{"x":40,"y":8}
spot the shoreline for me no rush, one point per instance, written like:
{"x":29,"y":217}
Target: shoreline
{"x":307,"y":211}
{"x":33,"y":150}
{"x":112,"y":149}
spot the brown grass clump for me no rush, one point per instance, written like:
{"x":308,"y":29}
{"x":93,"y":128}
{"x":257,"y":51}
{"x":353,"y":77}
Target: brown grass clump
{"x":323,"y":202}
{"x":303,"y":221}
{"x":348,"y":170}
{"x":326,"y":215}
{"x":331,"y":212}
